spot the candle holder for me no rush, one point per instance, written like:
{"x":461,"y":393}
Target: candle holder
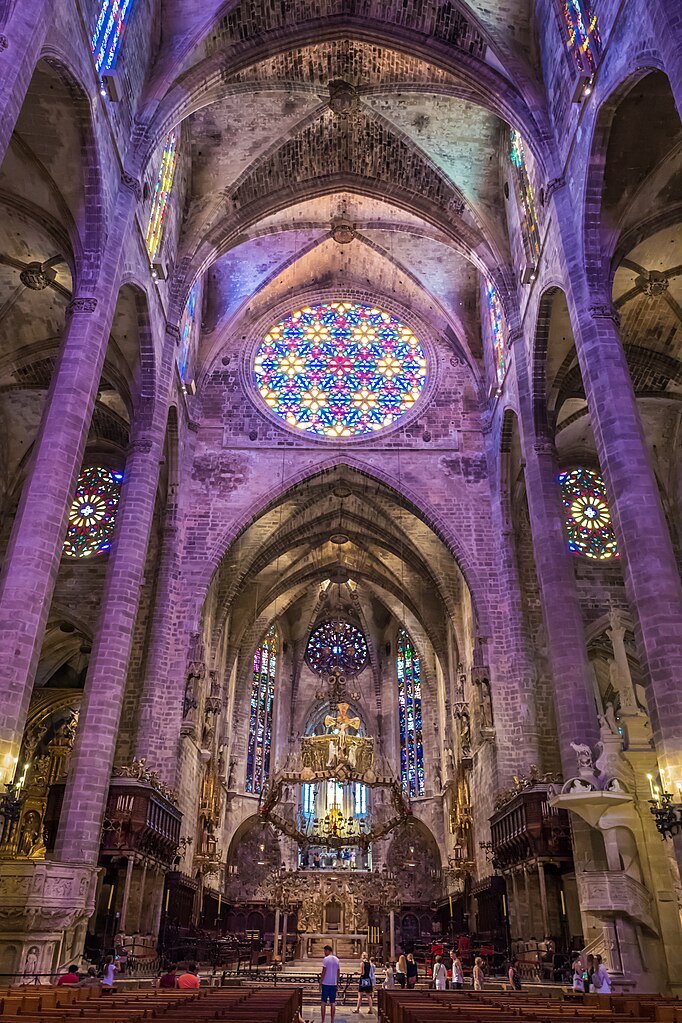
{"x":667,"y":814}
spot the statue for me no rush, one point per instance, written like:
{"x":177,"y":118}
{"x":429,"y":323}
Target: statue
{"x":332,"y":754}
{"x":583,"y":755}
{"x":608,"y":725}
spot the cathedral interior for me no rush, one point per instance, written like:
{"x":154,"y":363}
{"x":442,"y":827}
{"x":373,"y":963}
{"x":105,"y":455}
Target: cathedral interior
{"x":341,"y":481}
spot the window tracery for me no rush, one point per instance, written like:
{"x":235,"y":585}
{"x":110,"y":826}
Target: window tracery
{"x":161,"y":198}
{"x":187,"y":327}
{"x":584,"y":40}
{"x":92,"y":516}
{"x":108,"y":32}
{"x":340,"y":369}
{"x":261,"y":705}
{"x":495,"y":311}
{"x":337,"y":645}
{"x":525,"y":196}
{"x":588,"y":518}
{"x":410,"y":716}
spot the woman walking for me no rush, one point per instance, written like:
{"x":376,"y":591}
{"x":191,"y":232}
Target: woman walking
{"x":401,"y":970}
{"x":478,"y":975}
{"x":411,"y":971}
{"x":365,"y":983}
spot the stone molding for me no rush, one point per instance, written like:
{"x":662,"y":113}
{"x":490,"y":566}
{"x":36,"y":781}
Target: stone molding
{"x":133,"y":185}
{"x":605,"y":311}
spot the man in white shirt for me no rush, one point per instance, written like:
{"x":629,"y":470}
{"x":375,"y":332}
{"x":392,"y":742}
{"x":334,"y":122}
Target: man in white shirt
{"x":329,"y":979}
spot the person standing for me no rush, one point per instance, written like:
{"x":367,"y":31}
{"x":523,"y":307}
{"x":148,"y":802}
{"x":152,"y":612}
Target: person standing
{"x":514,"y":976}
{"x":588,"y":973}
{"x":401,"y":970}
{"x":389,"y":979}
{"x":578,"y":981}
{"x":478,"y":976}
{"x":110,"y":970}
{"x":440,"y":974}
{"x":457,"y":972}
{"x":411,"y":972}
{"x":601,"y":980}
{"x":365,"y":983}
{"x":329,"y":979}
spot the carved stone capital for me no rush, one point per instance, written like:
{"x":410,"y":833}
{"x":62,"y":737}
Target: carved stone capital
{"x":133,"y":185}
{"x":173,"y":331}
{"x":605,"y":311}
{"x":81,"y":305}
{"x":4,"y":42}
{"x":142,"y":446}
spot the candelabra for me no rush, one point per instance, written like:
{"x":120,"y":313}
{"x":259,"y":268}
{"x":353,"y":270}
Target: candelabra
{"x":666,"y":812}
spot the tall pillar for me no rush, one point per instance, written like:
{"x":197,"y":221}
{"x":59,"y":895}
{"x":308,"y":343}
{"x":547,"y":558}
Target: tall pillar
{"x":666,"y":22}
{"x":391,"y":927}
{"x":30,"y":569}
{"x":275,"y":938}
{"x":652,"y":579}
{"x":78,"y":838}
{"x":21,"y":41}
{"x":571,"y":671}
{"x":130,"y":865}
{"x":285,"y":929}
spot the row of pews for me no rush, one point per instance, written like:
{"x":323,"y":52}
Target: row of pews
{"x":483,"y":1007}
{"x":70,"y":1005}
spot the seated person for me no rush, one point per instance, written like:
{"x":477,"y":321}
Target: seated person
{"x":189,"y":981}
{"x":70,"y":977}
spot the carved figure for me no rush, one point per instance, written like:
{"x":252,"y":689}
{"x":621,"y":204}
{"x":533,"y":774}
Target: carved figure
{"x":583,"y":755}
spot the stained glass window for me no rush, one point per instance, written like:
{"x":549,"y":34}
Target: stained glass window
{"x":187,"y":331}
{"x":308,"y":797}
{"x":497,"y":333}
{"x":588,"y":519}
{"x":524,"y":193}
{"x":584,"y":40}
{"x":161,"y":197}
{"x":108,"y":32}
{"x":92,"y":515}
{"x":337,"y":645}
{"x":359,"y":798}
{"x":260,"y":722}
{"x":410,"y":716}
{"x":340,"y":369}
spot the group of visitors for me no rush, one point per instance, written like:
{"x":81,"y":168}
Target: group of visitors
{"x":103,"y":979}
{"x":591,"y":977}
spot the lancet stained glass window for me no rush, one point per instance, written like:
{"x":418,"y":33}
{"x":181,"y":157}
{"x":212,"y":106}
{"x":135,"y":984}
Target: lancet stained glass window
{"x":92,"y":515}
{"x":525,"y":196}
{"x":410,"y":716}
{"x":187,"y":332}
{"x":340,"y":369}
{"x":497,"y":333}
{"x":584,"y":40}
{"x":260,"y":723}
{"x":337,"y":645}
{"x":161,"y":197}
{"x":108,"y":32}
{"x":588,"y":519}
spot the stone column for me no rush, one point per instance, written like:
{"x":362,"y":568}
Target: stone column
{"x":275,"y":937}
{"x":88,"y":783}
{"x":666,"y":22}
{"x":130,"y":866}
{"x":571,"y":670}
{"x":285,"y":929}
{"x":391,"y":927}
{"x":652,"y":579}
{"x":21,"y":41}
{"x":30,"y":569}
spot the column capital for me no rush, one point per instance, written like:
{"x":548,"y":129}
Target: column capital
{"x":4,"y":42}
{"x":604,"y":310}
{"x":80,"y":305}
{"x":553,"y":185}
{"x":173,"y":331}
